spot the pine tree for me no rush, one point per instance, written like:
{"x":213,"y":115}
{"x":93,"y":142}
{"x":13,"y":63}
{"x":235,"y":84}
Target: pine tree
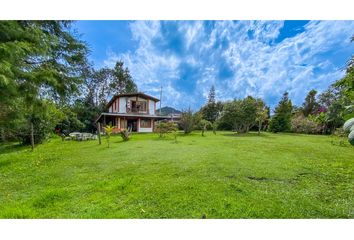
{"x":211,"y":111}
{"x":281,"y":121}
{"x":310,"y":106}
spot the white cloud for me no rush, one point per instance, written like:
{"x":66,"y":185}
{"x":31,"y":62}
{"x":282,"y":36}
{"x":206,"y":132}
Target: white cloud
{"x":260,"y":66}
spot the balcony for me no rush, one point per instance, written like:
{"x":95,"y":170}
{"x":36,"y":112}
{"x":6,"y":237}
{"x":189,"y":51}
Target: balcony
{"x":137,"y":110}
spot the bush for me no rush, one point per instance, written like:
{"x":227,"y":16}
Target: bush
{"x":163,"y":128}
{"x":348,"y":124}
{"x":187,"y":121}
{"x":125,"y":134}
{"x":351,"y":137}
{"x":301,"y":124}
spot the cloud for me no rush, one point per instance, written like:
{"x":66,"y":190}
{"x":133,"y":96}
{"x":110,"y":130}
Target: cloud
{"x":239,"y":57}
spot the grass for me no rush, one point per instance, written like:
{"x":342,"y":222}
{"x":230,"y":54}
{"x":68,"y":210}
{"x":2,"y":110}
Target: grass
{"x":222,"y":176}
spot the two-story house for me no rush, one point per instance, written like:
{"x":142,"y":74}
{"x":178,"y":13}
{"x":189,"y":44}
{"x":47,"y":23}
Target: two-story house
{"x":131,"y":110}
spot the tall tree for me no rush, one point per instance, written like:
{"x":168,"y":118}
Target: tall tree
{"x":40,"y":61}
{"x":310,"y":105}
{"x":122,"y":81}
{"x":281,"y":121}
{"x":261,"y":114}
{"x":347,"y":82}
{"x":212,"y":109}
{"x":187,"y":121}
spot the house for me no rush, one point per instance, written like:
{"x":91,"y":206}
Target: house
{"x":136,"y":111}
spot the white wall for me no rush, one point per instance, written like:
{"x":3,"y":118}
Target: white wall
{"x":145,"y":129}
{"x":151,"y":107}
{"x":122,"y":105}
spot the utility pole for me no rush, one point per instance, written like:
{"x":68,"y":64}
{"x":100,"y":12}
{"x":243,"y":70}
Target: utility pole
{"x":160,"y":100}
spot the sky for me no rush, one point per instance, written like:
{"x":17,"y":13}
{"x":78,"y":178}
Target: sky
{"x":240,"y":58}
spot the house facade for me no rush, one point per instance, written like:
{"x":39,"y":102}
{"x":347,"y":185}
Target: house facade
{"x":136,"y":111}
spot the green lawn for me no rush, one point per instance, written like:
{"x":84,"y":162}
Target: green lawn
{"x":222,"y":176}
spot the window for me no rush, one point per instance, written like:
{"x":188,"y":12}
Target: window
{"x":123,"y":123}
{"x":139,"y":106}
{"x":145,"y":123}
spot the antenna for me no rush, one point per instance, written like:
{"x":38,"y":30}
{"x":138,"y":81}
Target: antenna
{"x":160,"y":100}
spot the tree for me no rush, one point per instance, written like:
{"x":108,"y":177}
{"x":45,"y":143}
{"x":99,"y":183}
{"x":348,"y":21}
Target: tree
{"x":187,"y":121}
{"x":212,"y":109}
{"x":40,"y":61}
{"x":347,"y":82}
{"x":281,"y":121}
{"x":310,"y":106}
{"x":261,"y":114}
{"x":204,"y":125}
{"x":239,"y":115}
{"x":122,"y":81}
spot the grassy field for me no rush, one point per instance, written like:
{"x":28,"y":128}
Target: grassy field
{"x":222,"y":176}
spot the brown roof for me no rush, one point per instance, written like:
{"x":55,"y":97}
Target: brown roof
{"x":138,"y":94}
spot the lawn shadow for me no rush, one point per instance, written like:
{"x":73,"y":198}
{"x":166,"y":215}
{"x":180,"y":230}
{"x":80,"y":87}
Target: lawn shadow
{"x":12,"y":147}
{"x":250,"y":134}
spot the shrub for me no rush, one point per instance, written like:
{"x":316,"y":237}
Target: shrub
{"x":162,"y":128}
{"x":301,"y":124}
{"x":204,"y":124}
{"x":187,"y":121}
{"x":351,"y":137}
{"x":125,"y":134}
{"x":348,"y":124}
{"x":109,"y":130}
{"x":349,"y":127}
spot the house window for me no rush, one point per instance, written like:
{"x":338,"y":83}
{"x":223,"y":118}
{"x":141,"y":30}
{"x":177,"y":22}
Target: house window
{"x":145,"y":123}
{"x":123,"y":123}
{"x":139,"y":106}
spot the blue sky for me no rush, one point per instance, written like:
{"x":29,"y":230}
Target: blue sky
{"x":258,"y":58}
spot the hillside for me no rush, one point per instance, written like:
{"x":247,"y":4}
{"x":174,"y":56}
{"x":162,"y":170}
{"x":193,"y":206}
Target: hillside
{"x":168,"y":110}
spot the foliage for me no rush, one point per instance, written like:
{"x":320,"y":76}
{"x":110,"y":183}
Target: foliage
{"x":70,"y":122}
{"x":347,"y":82}
{"x":262,"y":114}
{"x":348,"y":124}
{"x":310,"y":106}
{"x":108,"y":129}
{"x":281,"y":121}
{"x":215,"y":127}
{"x":349,"y":127}
{"x":162,"y":128}
{"x":125,"y":134}
{"x":187,"y":121}
{"x":204,"y":125}
{"x":40,"y":61}
{"x":302,"y":124}
{"x":122,"y":81}
{"x":351,"y":137}
{"x":240,"y":115}
{"x":212,"y":109}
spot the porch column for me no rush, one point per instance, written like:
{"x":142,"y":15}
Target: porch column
{"x":138,"y":127}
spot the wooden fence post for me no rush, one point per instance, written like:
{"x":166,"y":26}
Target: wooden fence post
{"x":99,"y":132}
{"x":32,"y":136}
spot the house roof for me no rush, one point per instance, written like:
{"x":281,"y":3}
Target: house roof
{"x":138,"y":94}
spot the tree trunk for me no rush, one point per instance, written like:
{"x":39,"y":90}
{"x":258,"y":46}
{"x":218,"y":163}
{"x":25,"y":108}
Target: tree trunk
{"x":99,"y":132}
{"x":32,"y":136}
{"x":259,"y":127}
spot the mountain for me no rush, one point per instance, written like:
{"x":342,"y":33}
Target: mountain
{"x":168,"y":110}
